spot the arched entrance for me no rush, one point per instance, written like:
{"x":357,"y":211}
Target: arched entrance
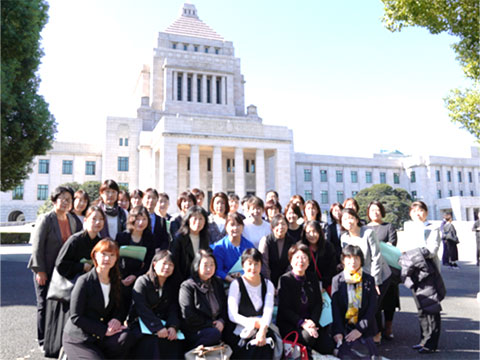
{"x":16,"y":216}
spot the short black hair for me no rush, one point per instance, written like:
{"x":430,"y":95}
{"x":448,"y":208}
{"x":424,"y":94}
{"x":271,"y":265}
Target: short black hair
{"x":252,"y":254}
{"x":59,"y":190}
{"x":352,"y":250}
{"x":201,"y":254}
{"x":380,"y":207}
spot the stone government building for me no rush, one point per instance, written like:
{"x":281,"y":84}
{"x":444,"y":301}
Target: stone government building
{"x":192,"y":130}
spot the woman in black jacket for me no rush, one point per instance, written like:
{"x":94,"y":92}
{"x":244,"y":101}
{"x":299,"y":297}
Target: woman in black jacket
{"x":322,"y":254}
{"x":155,"y":304}
{"x":334,"y":229}
{"x":116,"y":219}
{"x":95,"y":330}
{"x":300,"y":304}
{"x":203,"y":303}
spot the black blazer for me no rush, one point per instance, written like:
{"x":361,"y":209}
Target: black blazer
{"x":195,"y":307}
{"x":289,"y":301}
{"x":77,"y":247}
{"x":46,"y":240}
{"x":333,"y":237}
{"x":129,"y":266}
{"x":326,"y":261}
{"x":366,"y":316}
{"x":183,"y":254}
{"x":153,"y":307}
{"x":175,"y":225}
{"x":88,"y":315}
{"x":161,"y":238}
{"x":278,"y":263}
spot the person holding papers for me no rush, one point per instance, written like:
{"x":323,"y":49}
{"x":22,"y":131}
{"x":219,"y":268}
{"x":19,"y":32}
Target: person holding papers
{"x":191,"y":237}
{"x":203,"y":303}
{"x":154,"y":315}
{"x":228,"y":250}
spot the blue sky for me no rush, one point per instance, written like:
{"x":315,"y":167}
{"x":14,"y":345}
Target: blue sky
{"x":328,"y":70}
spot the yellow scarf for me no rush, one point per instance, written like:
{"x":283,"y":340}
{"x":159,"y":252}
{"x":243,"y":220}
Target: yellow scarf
{"x":354,"y":292}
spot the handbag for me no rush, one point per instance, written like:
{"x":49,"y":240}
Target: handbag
{"x":292,"y":350}
{"x":60,"y":288}
{"x":216,"y":352}
{"x":326,"y":318}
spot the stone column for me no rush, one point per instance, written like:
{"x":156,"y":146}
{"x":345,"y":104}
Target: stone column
{"x":184,"y":86}
{"x":169,"y":172}
{"x":145,"y":167}
{"x":260,"y":173}
{"x":217,"y":170}
{"x":213,"y":89}
{"x":194,"y":166}
{"x":223,"y":97}
{"x":175,"y":85}
{"x":239,"y":172}
{"x":204,"y":88}
{"x":194,"y":87}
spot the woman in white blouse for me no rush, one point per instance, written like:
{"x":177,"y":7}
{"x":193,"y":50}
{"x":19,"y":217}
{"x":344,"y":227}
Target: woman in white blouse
{"x":250,"y":309}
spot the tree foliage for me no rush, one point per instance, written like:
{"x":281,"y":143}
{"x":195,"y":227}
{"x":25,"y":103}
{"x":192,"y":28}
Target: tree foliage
{"x":396,"y":202}
{"x":459,"y":18}
{"x":28,"y":128}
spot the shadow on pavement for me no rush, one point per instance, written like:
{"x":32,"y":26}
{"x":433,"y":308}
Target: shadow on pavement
{"x":17,"y":281}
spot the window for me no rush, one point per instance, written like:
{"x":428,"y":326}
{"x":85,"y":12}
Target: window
{"x":189,"y":88}
{"x":471,"y":193}
{"x":185,"y":47}
{"x":42,"y":192}
{"x":123,"y":186}
{"x":206,"y":49}
{"x":174,"y":46}
{"x":459,"y":176}
{"x":340,"y":196}
{"x":89,"y":167}
{"x":339,"y":176}
{"x":324,"y":197}
{"x":199,"y":89}
{"x":126,"y":141}
{"x":323,"y":175}
{"x":383,"y":178}
{"x":219,"y":92}
{"x":67,"y":167}
{"x":252,"y":166}
{"x":120,"y":142}
{"x":413,"y":178}
{"x":368,"y":177}
{"x":209,"y":95}
{"x":247,"y":166}
{"x":414,"y":195}
{"x":179,"y":86}
{"x":437,"y":175}
{"x":217,"y":51}
{"x":308,"y":195}
{"x":439,"y":194}
{"x":17,"y":193}
{"x":461,"y":192}
{"x":209,"y":164}
{"x":307,"y":175}
{"x":449,"y":176}
{"x":123,"y":141}
{"x":396,"y":178}
{"x":354,"y":193}
{"x":43,"y":166}
{"x":188,"y":163}
{"x":229,"y":167}
{"x":123,"y":163}
{"x":450,"y":193}
{"x":195,"y":48}
{"x":470,"y":177}
{"x":354,"y":176}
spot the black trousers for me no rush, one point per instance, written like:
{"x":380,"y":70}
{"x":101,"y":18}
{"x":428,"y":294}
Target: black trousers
{"x":383,"y":290}
{"x":110,"y":347}
{"x":152,"y":347}
{"x":41,"y":295}
{"x":430,"y":325}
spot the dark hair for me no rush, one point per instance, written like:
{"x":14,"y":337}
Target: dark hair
{"x":164,"y":195}
{"x":233,"y":197}
{"x":127,"y":195}
{"x":134,"y":213}
{"x":201,"y":254}
{"x":155,"y":192}
{"x":352,"y":250}
{"x":94,"y":208}
{"x":234,"y":217}
{"x":295,"y":208}
{"x":137,"y":193}
{"x":198,"y":192}
{"x":222,"y":196}
{"x":447,"y":216}
{"x":352,"y":200}
{"x":246,"y":198}
{"x":316,"y":206}
{"x":419,"y":204}
{"x":59,"y":190}
{"x":276,"y":220}
{"x":108,"y":244}
{"x":380,"y":207}
{"x":185,"y":227}
{"x":270,"y":204}
{"x":321,"y":235}
{"x":252,"y":254}
{"x":333,"y":206}
{"x":82,"y":194}
{"x":184,"y":196}
{"x":255,"y":201}
{"x":159,"y":255}
{"x":109,"y":184}
{"x":297,"y":197}
{"x":272,"y":191}
{"x":353,"y":213}
{"x":298,"y":247}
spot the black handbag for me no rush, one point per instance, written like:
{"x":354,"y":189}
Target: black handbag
{"x":60,"y":288}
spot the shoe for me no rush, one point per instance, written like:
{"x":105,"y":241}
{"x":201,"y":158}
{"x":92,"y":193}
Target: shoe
{"x":388,"y":337}
{"x":425,"y":350}
{"x":417,"y":347}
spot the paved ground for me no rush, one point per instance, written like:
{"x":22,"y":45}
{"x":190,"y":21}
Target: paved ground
{"x":460,"y":316}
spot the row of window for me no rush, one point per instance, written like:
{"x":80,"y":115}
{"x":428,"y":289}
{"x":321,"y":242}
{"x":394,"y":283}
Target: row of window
{"x":123,"y":141}
{"x":196,"y":48}
{"x":230,"y":165}
{"x":459,"y":176}
{"x":450,"y":193}
{"x":202,"y":95}
{"x":307,"y":175}
{"x":67,"y":167}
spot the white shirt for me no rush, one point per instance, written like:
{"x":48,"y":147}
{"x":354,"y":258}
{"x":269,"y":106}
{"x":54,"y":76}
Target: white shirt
{"x":195,"y":239}
{"x":106,"y":293}
{"x":254,"y":233}
{"x":112,"y":226}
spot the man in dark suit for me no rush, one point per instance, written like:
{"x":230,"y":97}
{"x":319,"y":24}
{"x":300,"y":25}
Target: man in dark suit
{"x":161,"y":237}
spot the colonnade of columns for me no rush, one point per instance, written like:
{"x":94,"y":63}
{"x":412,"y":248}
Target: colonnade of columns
{"x":204,"y":91}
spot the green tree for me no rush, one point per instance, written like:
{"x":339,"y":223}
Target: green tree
{"x":459,"y":18}
{"x":396,"y":202}
{"x":28,"y":128}
{"x":92,"y":188}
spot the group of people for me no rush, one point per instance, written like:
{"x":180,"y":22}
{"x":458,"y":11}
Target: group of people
{"x":150,"y":285}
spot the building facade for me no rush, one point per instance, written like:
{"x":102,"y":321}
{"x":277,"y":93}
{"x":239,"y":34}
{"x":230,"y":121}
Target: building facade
{"x":192,"y":130}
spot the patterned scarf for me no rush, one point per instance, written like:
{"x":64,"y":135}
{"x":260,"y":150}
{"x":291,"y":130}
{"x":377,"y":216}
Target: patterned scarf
{"x":354,"y":291}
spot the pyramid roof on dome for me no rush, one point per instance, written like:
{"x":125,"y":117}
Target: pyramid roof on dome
{"x":188,"y":24}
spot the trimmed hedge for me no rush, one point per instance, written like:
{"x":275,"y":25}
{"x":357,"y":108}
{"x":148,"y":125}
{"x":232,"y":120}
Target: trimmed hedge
{"x":14,"y":238}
